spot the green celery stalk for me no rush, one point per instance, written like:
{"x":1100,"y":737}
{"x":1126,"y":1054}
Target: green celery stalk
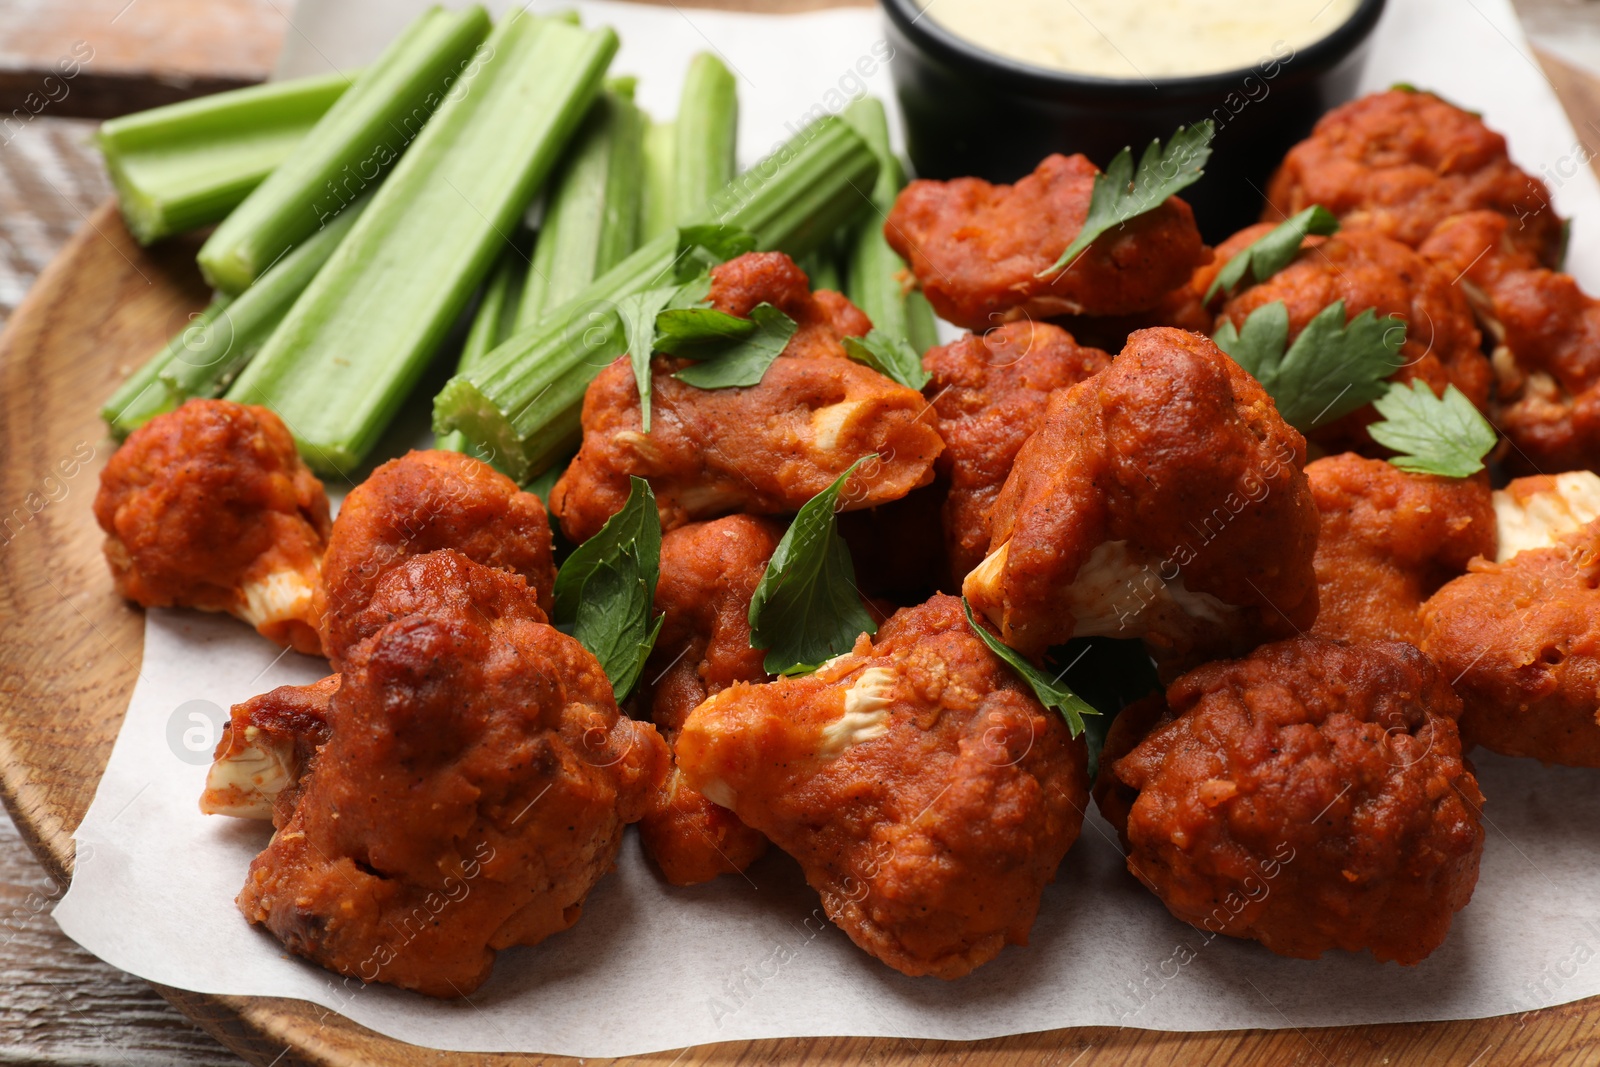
{"x":707,"y":132}
{"x":658,"y":209}
{"x":524,"y":402}
{"x":211,"y":360}
{"x":822,"y":267}
{"x":349,"y":149}
{"x":492,"y":323}
{"x":591,"y":221}
{"x":142,"y":396}
{"x":876,"y":274}
{"x":361,"y":335}
{"x":187,"y":165}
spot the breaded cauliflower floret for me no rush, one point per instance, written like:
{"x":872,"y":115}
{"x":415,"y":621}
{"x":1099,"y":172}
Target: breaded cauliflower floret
{"x":1520,"y":640}
{"x":1547,"y":342}
{"x":925,"y":792}
{"x":990,"y":392}
{"x":1371,"y":272}
{"x":474,"y":788}
{"x":1388,"y":541}
{"x":709,"y":573}
{"x":266,"y":750}
{"x":418,"y":503}
{"x":977,"y":249}
{"x":1162,"y":499}
{"x":210,"y":507}
{"x":765,"y":449}
{"x":1311,"y":796}
{"x":824,"y":317}
{"x":1401,"y":162}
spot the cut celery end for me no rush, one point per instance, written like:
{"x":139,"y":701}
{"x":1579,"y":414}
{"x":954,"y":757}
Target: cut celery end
{"x":591,"y":222}
{"x":361,"y":335}
{"x":525,"y":401}
{"x":348,"y":150}
{"x":187,"y":165}
{"x":143,"y":396}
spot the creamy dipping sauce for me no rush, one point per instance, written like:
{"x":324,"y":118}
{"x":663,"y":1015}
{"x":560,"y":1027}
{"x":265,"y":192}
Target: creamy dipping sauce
{"x":1141,"y":39}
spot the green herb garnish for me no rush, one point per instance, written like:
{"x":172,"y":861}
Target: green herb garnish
{"x":1121,"y":193}
{"x":892,"y":357}
{"x":1331,"y":369}
{"x":1273,"y":251}
{"x":743,"y":362}
{"x":806,"y":610}
{"x":1050,"y":691}
{"x":1434,"y":435}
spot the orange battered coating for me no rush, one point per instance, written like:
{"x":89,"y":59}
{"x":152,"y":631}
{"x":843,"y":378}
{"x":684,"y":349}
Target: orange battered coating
{"x":976,"y":248}
{"x":824,"y":317}
{"x":473,"y":790}
{"x":766,"y":449}
{"x":1370,"y":271}
{"x":418,"y":503}
{"x":1547,"y":356}
{"x":1311,"y":796}
{"x":1388,"y":541}
{"x":709,"y":573}
{"x":925,"y":792}
{"x":266,"y":751}
{"x":990,"y":392}
{"x":1402,"y":162}
{"x":1521,"y":639}
{"x":1163,"y":499}
{"x":210,"y":507}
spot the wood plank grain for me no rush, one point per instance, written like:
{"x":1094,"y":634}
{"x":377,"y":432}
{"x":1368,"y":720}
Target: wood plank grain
{"x":69,"y":652}
{"x":126,"y":55}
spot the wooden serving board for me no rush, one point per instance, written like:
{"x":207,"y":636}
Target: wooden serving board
{"x":70,"y":651}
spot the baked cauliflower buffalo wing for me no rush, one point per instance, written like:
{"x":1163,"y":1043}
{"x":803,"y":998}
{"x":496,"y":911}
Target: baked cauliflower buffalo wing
{"x":709,"y":573}
{"x":977,"y":249}
{"x":1401,"y":162}
{"x":473,"y":789}
{"x":210,"y":507}
{"x":1520,"y":637}
{"x":1311,"y":796}
{"x":989,"y":392}
{"x":766,"y":449}
{"x":1162,"y":499}
{"x":266,"y":750}
{"x":925,"y":792}
{"x":418,"y":503}
{"x":1388,"y":541}
{"x":1371,"y":272}
{"x":1547,"y":342}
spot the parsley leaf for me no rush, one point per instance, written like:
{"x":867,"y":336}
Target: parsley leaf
{"x":679,"y":330}
{"x":702,"y":247}
{"x":806,"y":610}
{"x":638,"y":314}
{"x":1434,"y":435}
{"x":1050,"y":691}
{"x":1121,"y":193}
{"x":892,"y":357}
{"x":1331,"y":369}
{"x":1274,"y":250}
{"x":605,"y":591}
{"x":745,"y":361}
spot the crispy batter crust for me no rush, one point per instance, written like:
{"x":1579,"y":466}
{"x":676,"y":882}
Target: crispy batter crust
{"x":976,"y":249}
{"x":421,"y":502}
{"x":1521,"y":639}
{"x":926,"y":793}
{"x":1388,"y":541}
{"x":208,"y":503}
{"x":474,"y":788}
{"x":1311,"y":796}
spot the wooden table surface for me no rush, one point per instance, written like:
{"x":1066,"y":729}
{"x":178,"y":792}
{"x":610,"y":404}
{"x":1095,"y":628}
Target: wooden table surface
{"x":60,"y":1005}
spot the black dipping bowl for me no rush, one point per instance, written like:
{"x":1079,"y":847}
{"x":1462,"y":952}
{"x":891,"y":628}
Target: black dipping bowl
{"x":972,"y":112}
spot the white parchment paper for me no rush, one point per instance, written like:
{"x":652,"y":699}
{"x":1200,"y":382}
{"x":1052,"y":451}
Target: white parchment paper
{"x":653,"y":967}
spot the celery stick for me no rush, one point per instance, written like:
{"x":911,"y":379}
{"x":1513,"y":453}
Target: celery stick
{"x":591,"y":220}
{"x":142,"y":396}
{"x":822,"y":267}
{"x":658,"y":210}
{"x":524,"y":402}
{"x":707,"y":131}
{"x":876,"y":274}
{"x":361,"y":335}
{"x":211,"y":358}
{"x":188,"y":164}
{"x":491,"y":324}
{"x":349,"y":150}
